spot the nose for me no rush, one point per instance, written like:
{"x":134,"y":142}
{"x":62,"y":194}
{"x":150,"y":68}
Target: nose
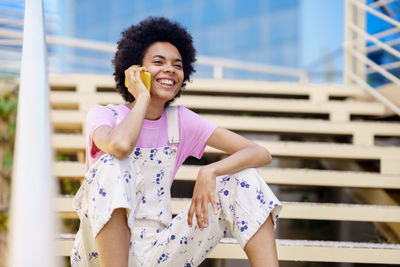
{"x":169,"y":68}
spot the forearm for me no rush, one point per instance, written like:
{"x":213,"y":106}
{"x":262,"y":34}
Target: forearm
{"x":248,"y":157}
{"x":123,"y":137}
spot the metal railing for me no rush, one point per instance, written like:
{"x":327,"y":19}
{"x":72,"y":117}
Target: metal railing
{"x":32,"y":226}
{"x":357,"y":63}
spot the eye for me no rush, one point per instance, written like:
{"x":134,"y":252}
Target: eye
{"x":178,"y":66}
{"x":157,"y":62}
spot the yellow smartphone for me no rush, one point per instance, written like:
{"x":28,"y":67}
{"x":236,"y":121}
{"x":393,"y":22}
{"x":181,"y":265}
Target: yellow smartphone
{"x":146,"y":79}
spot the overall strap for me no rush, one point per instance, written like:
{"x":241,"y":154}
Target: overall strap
{"x":173,"y":126}
{"x":115,"y":114}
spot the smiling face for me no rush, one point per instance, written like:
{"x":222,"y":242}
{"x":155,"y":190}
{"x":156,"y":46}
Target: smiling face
{"x":164,"y":62}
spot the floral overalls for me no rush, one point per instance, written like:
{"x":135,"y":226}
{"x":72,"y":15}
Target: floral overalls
{"x":141,"y":184}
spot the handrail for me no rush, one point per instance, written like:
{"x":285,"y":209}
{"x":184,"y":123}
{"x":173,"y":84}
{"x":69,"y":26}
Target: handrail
{"x":375,"y":93}
{"x":220,"y":63}
{"x":377,"y":48}
{"x":356,"y":51}
{"x":32,"y":216}
{"x":375,"y":40}
{"x":376,"y":13}
{"x":381,"y":3}
{"x":217,"y":63}
{"x":376,"y":67}
{"x":387,"y":66}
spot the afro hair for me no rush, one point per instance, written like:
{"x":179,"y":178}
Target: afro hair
{"x":137,"y":38}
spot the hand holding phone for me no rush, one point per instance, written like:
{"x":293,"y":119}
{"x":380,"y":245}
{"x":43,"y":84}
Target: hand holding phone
{"x":146,"y":79}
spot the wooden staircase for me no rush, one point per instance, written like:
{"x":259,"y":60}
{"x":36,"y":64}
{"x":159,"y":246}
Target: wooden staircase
{"x":321,"y":138}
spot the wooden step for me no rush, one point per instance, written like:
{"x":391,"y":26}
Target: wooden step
{"x":293,"y":250}
{"x":304,"y":177}
{"x":388,"y":156}
{"x":312,"y":90}
{"x":292,"y":210}
{"x":89,"y":83}
{"x":63,"y":142}
{"x":337,"y":110}
{"x":363,"y":133}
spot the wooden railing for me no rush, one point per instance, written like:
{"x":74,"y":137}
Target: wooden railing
{"x":357,"y":63}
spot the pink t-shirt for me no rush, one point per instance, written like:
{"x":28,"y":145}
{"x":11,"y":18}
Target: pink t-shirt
{"x":194,"y":132}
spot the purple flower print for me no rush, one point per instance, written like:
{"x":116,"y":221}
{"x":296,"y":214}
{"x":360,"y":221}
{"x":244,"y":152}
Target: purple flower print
{"x":137,"y":153}
{"x":241,"y":225}
{"x":224,"y":180}
{"x":242,"y":183}
{"x":260,"y":196}
{"x":90,"y":176}
{"x":127,"y":176}
{"x":159,"y":214}
{"x":107,"y":158}
{"x":142,"y":233}
{"x":167,"y":150}
{"x":76,"y":257}
{"x":164,"y":257}
{"x":102,"y":192}
{"x":159,"y":177}
{"x":223,"y":191}
{"x":271,"y":204}
{"x":153,"y":152}
{"x":160,"y":192}
{"x":183,"y":240}
{"x":189,"y":263}
{"x":93,"y":255}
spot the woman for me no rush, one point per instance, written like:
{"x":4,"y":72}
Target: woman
{"x":134,"y":151}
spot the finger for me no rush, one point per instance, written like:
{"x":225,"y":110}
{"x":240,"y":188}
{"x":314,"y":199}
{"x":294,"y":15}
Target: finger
{"x":214,"y":203}
{"x":190,"y":214}
{"x":198,"y":215}
{"x":205,"y":213}
{"x":130,"y":76}
{"x":133,"y":67}
{"x":137,"y":73}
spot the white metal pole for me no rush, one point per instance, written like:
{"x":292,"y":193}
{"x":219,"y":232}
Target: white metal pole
{"x":348,"y":37}
{"x":32,"y":225}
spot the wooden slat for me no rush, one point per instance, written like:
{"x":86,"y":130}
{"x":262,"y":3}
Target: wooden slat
{"x":67,"y":119}
{"x":74,"y":80}
{"x":223,"y":86}
{"x":310,"y":126}
{"x":325,"y":211}
{"x":291,"y":210}
{"x":295,"y":250}
{"x":328,"y":251}
{"x":311,"y":177}
{"x":68,"y":142}
{"x":279,"y":105}
{"x":68,"y":169}
{"x":62,"y":98}
{"x":266,"y":124}
{"x":324,"y":150}
{"x":261,"y":87}
{"x":236,"y":104}
{"x":273,"y":176}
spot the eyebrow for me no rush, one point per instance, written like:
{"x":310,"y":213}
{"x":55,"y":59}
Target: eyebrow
{"x":162,"y":57}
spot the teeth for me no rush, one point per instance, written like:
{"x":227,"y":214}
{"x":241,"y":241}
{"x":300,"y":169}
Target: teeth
{"x":167,"y":82}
